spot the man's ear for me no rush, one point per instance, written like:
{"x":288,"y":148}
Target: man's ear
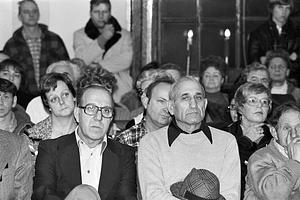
{"x":273,"y":132}
{"x":205,"y":103}
{"x":222,"y":81}
{"x":287,"y":72}
{"x":15,"y":99}
{"x":144,"y":100}
{"x":76,"y":113}
{"x":170,"y":105}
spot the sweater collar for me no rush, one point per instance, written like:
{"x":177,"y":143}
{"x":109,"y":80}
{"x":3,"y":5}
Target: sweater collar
{"x":174,"y":131}
{"x":92,"y":32}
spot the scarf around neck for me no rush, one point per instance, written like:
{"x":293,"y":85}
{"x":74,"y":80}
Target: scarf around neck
{"x":92,"y":32}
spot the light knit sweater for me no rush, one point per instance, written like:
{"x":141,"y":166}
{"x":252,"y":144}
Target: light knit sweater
{"x":159,"y":165}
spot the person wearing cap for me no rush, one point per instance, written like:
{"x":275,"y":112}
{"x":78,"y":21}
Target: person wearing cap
{"x":278,"y":32}
{"x":11,"y":120}
{"x":274,"y":171}
{"x":167,"y":155}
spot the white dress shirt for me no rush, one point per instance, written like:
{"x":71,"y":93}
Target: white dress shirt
{"x":90,"y":161}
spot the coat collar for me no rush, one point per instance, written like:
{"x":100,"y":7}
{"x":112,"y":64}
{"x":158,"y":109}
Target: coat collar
{"x":92,"y":32}
{"x":19,"y":36}
{"x":109,"y":171}
{"x":70,"y":164}
{"x":174,"y":131}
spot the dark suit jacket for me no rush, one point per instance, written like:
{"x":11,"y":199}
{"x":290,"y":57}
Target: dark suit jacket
{"x":57,"y":170}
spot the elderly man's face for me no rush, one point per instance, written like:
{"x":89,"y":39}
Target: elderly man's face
{"x":288,"y":127}
{"x":259,"y":76}
{"x":278,"y":69}
{"x":189,"y":105}
{"x":93,"y":128}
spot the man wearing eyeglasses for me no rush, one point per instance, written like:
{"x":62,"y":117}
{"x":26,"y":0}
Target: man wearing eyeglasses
{"x":282,"y":89}
{"x":87,"y":156}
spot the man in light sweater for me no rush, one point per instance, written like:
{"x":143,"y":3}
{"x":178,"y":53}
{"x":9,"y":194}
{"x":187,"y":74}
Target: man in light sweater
{"x":167,"y":155}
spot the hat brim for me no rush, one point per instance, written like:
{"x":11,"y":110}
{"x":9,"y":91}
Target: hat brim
{"x":175,"y":190}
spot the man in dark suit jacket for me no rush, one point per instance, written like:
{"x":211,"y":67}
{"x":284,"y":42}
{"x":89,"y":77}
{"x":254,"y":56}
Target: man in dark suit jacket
{"x":86,"y":156}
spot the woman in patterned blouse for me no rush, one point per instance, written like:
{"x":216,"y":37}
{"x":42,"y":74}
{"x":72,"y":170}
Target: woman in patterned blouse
{"x":58,"y":97}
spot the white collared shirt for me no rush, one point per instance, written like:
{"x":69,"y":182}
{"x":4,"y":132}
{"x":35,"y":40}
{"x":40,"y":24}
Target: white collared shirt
{"x":279,"y":29}
{"x":90,"y":161}
{"x":281,"y":89}
{"x":281,"y":149}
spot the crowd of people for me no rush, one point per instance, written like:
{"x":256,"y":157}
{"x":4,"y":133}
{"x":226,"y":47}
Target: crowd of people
{"x":62,"y":131}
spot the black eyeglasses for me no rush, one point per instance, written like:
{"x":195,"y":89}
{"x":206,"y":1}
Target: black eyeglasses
{"x":92,"y":110}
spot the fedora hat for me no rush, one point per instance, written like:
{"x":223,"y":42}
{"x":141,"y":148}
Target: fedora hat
{"x":199,"y":184}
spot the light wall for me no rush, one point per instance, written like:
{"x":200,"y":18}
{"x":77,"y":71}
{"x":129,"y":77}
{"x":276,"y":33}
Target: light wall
{"x":62,"y":16}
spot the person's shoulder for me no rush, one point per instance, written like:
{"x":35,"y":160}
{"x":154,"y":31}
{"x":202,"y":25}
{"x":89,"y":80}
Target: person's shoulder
{"x":17,"y":35}
{"x":155,"y":137}
{"x":59,"y":142}
{"x":12,"y":139}
{"x":118,"y":147}
{"x":48,"y":33}
{"x":79,"y":31}
{"x":125,"y":33}
{"x":221,"y":135}
{"x":262,"y":28}
{"x":267,"y":152}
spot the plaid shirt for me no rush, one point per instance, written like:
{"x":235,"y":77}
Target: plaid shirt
{"x":52,"y":50}
{"x":133,"y":135}
{"x":35,"y":45}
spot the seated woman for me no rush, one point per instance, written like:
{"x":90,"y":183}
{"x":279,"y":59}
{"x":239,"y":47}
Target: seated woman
{"x":253,"y":102}
{"x":212,"y":77}
{"x":35,"y":108}
{"x":58,"y":97}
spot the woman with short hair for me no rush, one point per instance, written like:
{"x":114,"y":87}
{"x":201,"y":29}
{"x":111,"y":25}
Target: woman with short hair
{"x":58,"y":97}
{"x":253,"y":103}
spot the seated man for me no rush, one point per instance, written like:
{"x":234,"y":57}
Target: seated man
{"x":15,"y":167}
{"x":282,"y":90}
{"x":157,"y":115}
{"x":87,"y":156}
{"x":274,"y":171}
{"x":10,"y":120}
{"x":167,"y":155}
